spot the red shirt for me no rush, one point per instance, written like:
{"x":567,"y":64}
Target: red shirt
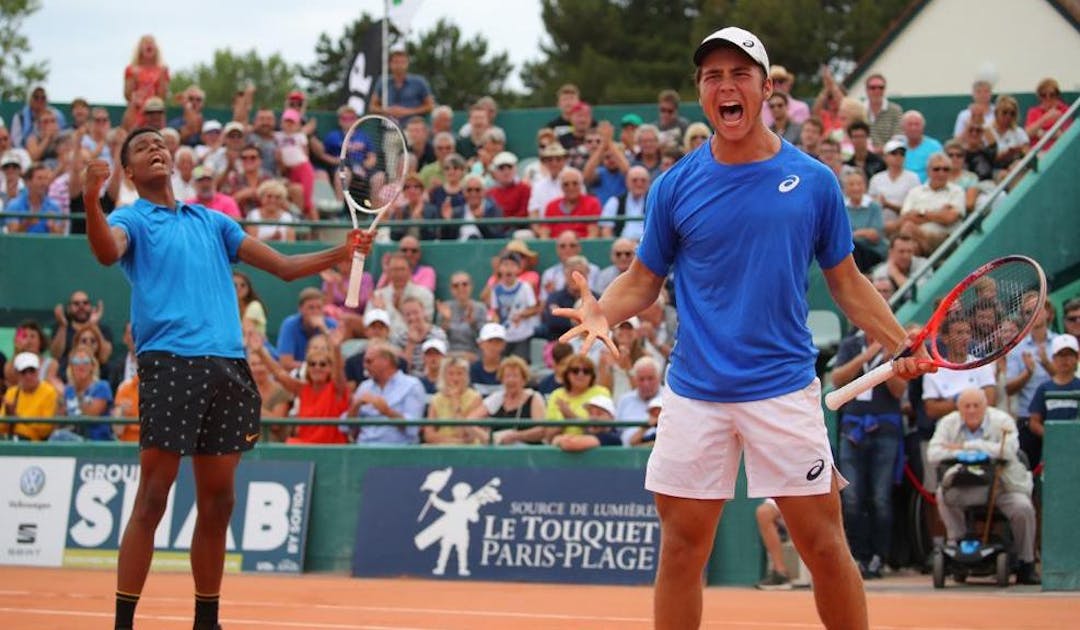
{"x":321,"y":403}
{"x":1036,"y":112}
{"x":587,"y":206}
{"x":513,"y":199}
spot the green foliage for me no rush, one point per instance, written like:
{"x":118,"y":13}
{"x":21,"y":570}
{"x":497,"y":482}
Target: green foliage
{"x":229,"y":72}
{"x":626,"y":51}
{"x":16,"y":73}
{"x":326,"y":77}
{"x":458,"y":71}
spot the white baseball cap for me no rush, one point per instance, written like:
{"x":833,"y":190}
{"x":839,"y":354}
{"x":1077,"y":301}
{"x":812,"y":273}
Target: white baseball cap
{"x":492,"y":330}
{"x":211,"y":125}
{"x":741,"y":38}
{"x":435,"y":344}
{"x":504,"y":158}
{"x":1057,"y":344}
{"x":376,"y":315}
{"x":895,"y":145}
{"x":26,"y":360}
{"x":635,"y":322}
{"x":603,"y":402}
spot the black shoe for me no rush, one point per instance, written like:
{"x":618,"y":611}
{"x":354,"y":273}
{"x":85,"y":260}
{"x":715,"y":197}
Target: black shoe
{"x":1026,"y":574}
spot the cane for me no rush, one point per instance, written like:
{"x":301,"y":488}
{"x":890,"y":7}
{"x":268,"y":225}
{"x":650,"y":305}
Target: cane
{"x":993,"y":488}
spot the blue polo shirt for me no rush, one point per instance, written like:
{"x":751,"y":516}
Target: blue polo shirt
{"x":915,"y":159}
{"x":21,"y":204}
{"x":178,"y":262}
{"x":741,"y":239}
{"x":411,"y":93}
{"x":293,"y":339}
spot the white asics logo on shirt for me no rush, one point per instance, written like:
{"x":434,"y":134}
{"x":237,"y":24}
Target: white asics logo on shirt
{"x":789,"y":183}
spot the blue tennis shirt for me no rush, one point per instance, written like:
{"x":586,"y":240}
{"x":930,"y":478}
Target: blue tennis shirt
{"x":741,"y":239}
{"x":179,"y":263}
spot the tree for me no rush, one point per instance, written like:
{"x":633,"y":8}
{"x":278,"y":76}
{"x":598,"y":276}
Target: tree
{"x":229,"y":72}
{"x":459,"y":72}
{"x":327,"y":77}
{"x":650,"y":43}
{"x":17,"y":74}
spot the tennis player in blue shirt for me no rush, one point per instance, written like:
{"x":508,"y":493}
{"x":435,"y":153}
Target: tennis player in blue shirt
{"x":740,"y":219}
{"x":196,"y":393}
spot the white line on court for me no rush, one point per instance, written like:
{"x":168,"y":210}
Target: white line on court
{"x":226,"y":620}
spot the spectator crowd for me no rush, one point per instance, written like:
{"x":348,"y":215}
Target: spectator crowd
{"x":490,"y":349}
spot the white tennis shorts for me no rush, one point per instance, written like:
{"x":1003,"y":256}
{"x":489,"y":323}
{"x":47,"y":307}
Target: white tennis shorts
{"x":786,"y":447}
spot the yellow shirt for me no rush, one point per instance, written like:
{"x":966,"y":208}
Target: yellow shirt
{"x":40,"y":403}
{"x":577,"y":403}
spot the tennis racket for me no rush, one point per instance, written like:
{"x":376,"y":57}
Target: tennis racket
{"x":1013,"y":285}
{"x":373,"y":162}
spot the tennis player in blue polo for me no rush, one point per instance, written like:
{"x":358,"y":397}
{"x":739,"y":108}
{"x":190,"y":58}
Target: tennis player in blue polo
{"x":196,"y":393}
{"x":740,"y":220}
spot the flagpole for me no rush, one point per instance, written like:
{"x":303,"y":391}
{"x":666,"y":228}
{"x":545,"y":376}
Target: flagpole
{"x":385,"y":53}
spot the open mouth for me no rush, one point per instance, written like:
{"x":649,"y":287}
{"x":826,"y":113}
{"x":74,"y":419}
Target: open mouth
{"x":731,"y":113}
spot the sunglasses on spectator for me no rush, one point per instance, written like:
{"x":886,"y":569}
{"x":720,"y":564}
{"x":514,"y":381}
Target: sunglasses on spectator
{"x":250,"y":157}
{"x":567,"y":245}
{"x":570,"y":184}
{"x":473,"y":189}
{"x":941,"y":168}
{"x":876,"y":86}
{"x":41,"y":97}
{"x":81,"y":361}
{"x":552,"y":159}
{"x":954,"y":154}
{"x":667,"y":110}
{"x":80,"y":302}
{"x":644,"y":180}
{"x":460,"y":283}
{"x":1047,"y":94}
{"x":624,"y":254}
{"x":413,"y":185}
{"x":29,"y":370}
{"x":579,"y":370}
{"x":320,"y":364}
{"x":1073,"y":319}
{"x":409,"y":250}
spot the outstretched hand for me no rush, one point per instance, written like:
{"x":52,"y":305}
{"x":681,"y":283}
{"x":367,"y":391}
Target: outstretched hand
{"x":591,"y":321}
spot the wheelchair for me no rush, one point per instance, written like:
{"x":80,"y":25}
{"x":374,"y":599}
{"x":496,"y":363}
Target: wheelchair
{"x":966,"y":482}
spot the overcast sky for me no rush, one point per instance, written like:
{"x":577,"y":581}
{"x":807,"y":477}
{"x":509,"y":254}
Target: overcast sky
{"x":88,"y":44}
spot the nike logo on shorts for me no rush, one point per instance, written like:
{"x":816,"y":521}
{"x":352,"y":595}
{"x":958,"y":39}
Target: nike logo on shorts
{"x":251,"y":437}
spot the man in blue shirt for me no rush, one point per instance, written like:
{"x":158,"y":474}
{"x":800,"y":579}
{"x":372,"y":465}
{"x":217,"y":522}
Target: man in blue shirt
{"x":388,"y":393}
{"x":407,"y":95}
{"x":197,"y":395}
{"x":33,"y":201}
{"x":740,"y":218}
{"x":297,"y":329}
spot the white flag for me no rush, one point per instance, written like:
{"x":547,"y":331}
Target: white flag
{"x":402,"y":13}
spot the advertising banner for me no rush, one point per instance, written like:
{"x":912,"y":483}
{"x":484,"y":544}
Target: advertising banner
{"x":35,"y":493}
{"x":580,"y":525}
{"x":267,"y":532}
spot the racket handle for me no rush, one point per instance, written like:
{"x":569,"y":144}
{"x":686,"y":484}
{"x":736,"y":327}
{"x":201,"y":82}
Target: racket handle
{"x":356,"y":276}
{"x":838,"y":397}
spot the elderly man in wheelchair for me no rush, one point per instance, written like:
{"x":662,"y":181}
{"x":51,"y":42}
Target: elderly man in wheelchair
{"x":978,"y":448}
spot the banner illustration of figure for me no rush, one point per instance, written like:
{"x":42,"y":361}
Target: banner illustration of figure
{"x":451,"y":529}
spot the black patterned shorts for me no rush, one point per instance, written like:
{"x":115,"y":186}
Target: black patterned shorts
{"x":197,"y":405}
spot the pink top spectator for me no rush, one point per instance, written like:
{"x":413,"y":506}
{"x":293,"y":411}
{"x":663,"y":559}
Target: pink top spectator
{"x":424,"y":275}
{"x":220,"y":202}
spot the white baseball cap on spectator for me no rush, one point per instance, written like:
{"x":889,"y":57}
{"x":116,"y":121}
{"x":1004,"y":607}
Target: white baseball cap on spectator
{"x":26,"y":361}
{"x":211,"y":125}
{"x":602,"y":402}
{"x":376,"y":315}
{"x":438,"y":345}
{"x":234,"y":126}
{"x":9,"y":158}
{"x":504,"y":158}
{"x":895,"y":145}
{"x":634,"y":322}
{"x":1062,"y":343}
{"x":491,"y":330}
{"x":741,"y":38}
{"x":202,"y":172}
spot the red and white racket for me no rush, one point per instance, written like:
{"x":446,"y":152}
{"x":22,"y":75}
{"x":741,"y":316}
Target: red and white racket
{"x":373,"y":164}
{"x":1015,"y":285}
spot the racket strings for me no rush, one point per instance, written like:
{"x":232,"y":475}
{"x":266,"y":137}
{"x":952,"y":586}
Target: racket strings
{"x":998,"y":308}
{"x":373,"y":164}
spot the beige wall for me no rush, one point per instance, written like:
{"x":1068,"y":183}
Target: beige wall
{"x":951,"y":42}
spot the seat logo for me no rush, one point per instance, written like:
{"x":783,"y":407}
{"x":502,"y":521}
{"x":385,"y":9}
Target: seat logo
{"x":789,"y":183}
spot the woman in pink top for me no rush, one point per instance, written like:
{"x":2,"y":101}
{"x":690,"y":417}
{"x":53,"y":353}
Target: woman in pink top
{"x":1041,"y":117}
{"x":145,"y":77}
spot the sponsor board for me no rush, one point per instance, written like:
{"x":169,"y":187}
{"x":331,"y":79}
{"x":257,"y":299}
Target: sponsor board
{"x":35,"y":494}
{"x":267,"y":531}
{"x":521,"y":524}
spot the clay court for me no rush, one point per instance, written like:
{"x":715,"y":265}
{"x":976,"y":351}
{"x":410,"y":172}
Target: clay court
{"x":53,"y":599}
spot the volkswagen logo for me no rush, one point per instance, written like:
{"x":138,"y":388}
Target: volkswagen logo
{"x":32,"y":481}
